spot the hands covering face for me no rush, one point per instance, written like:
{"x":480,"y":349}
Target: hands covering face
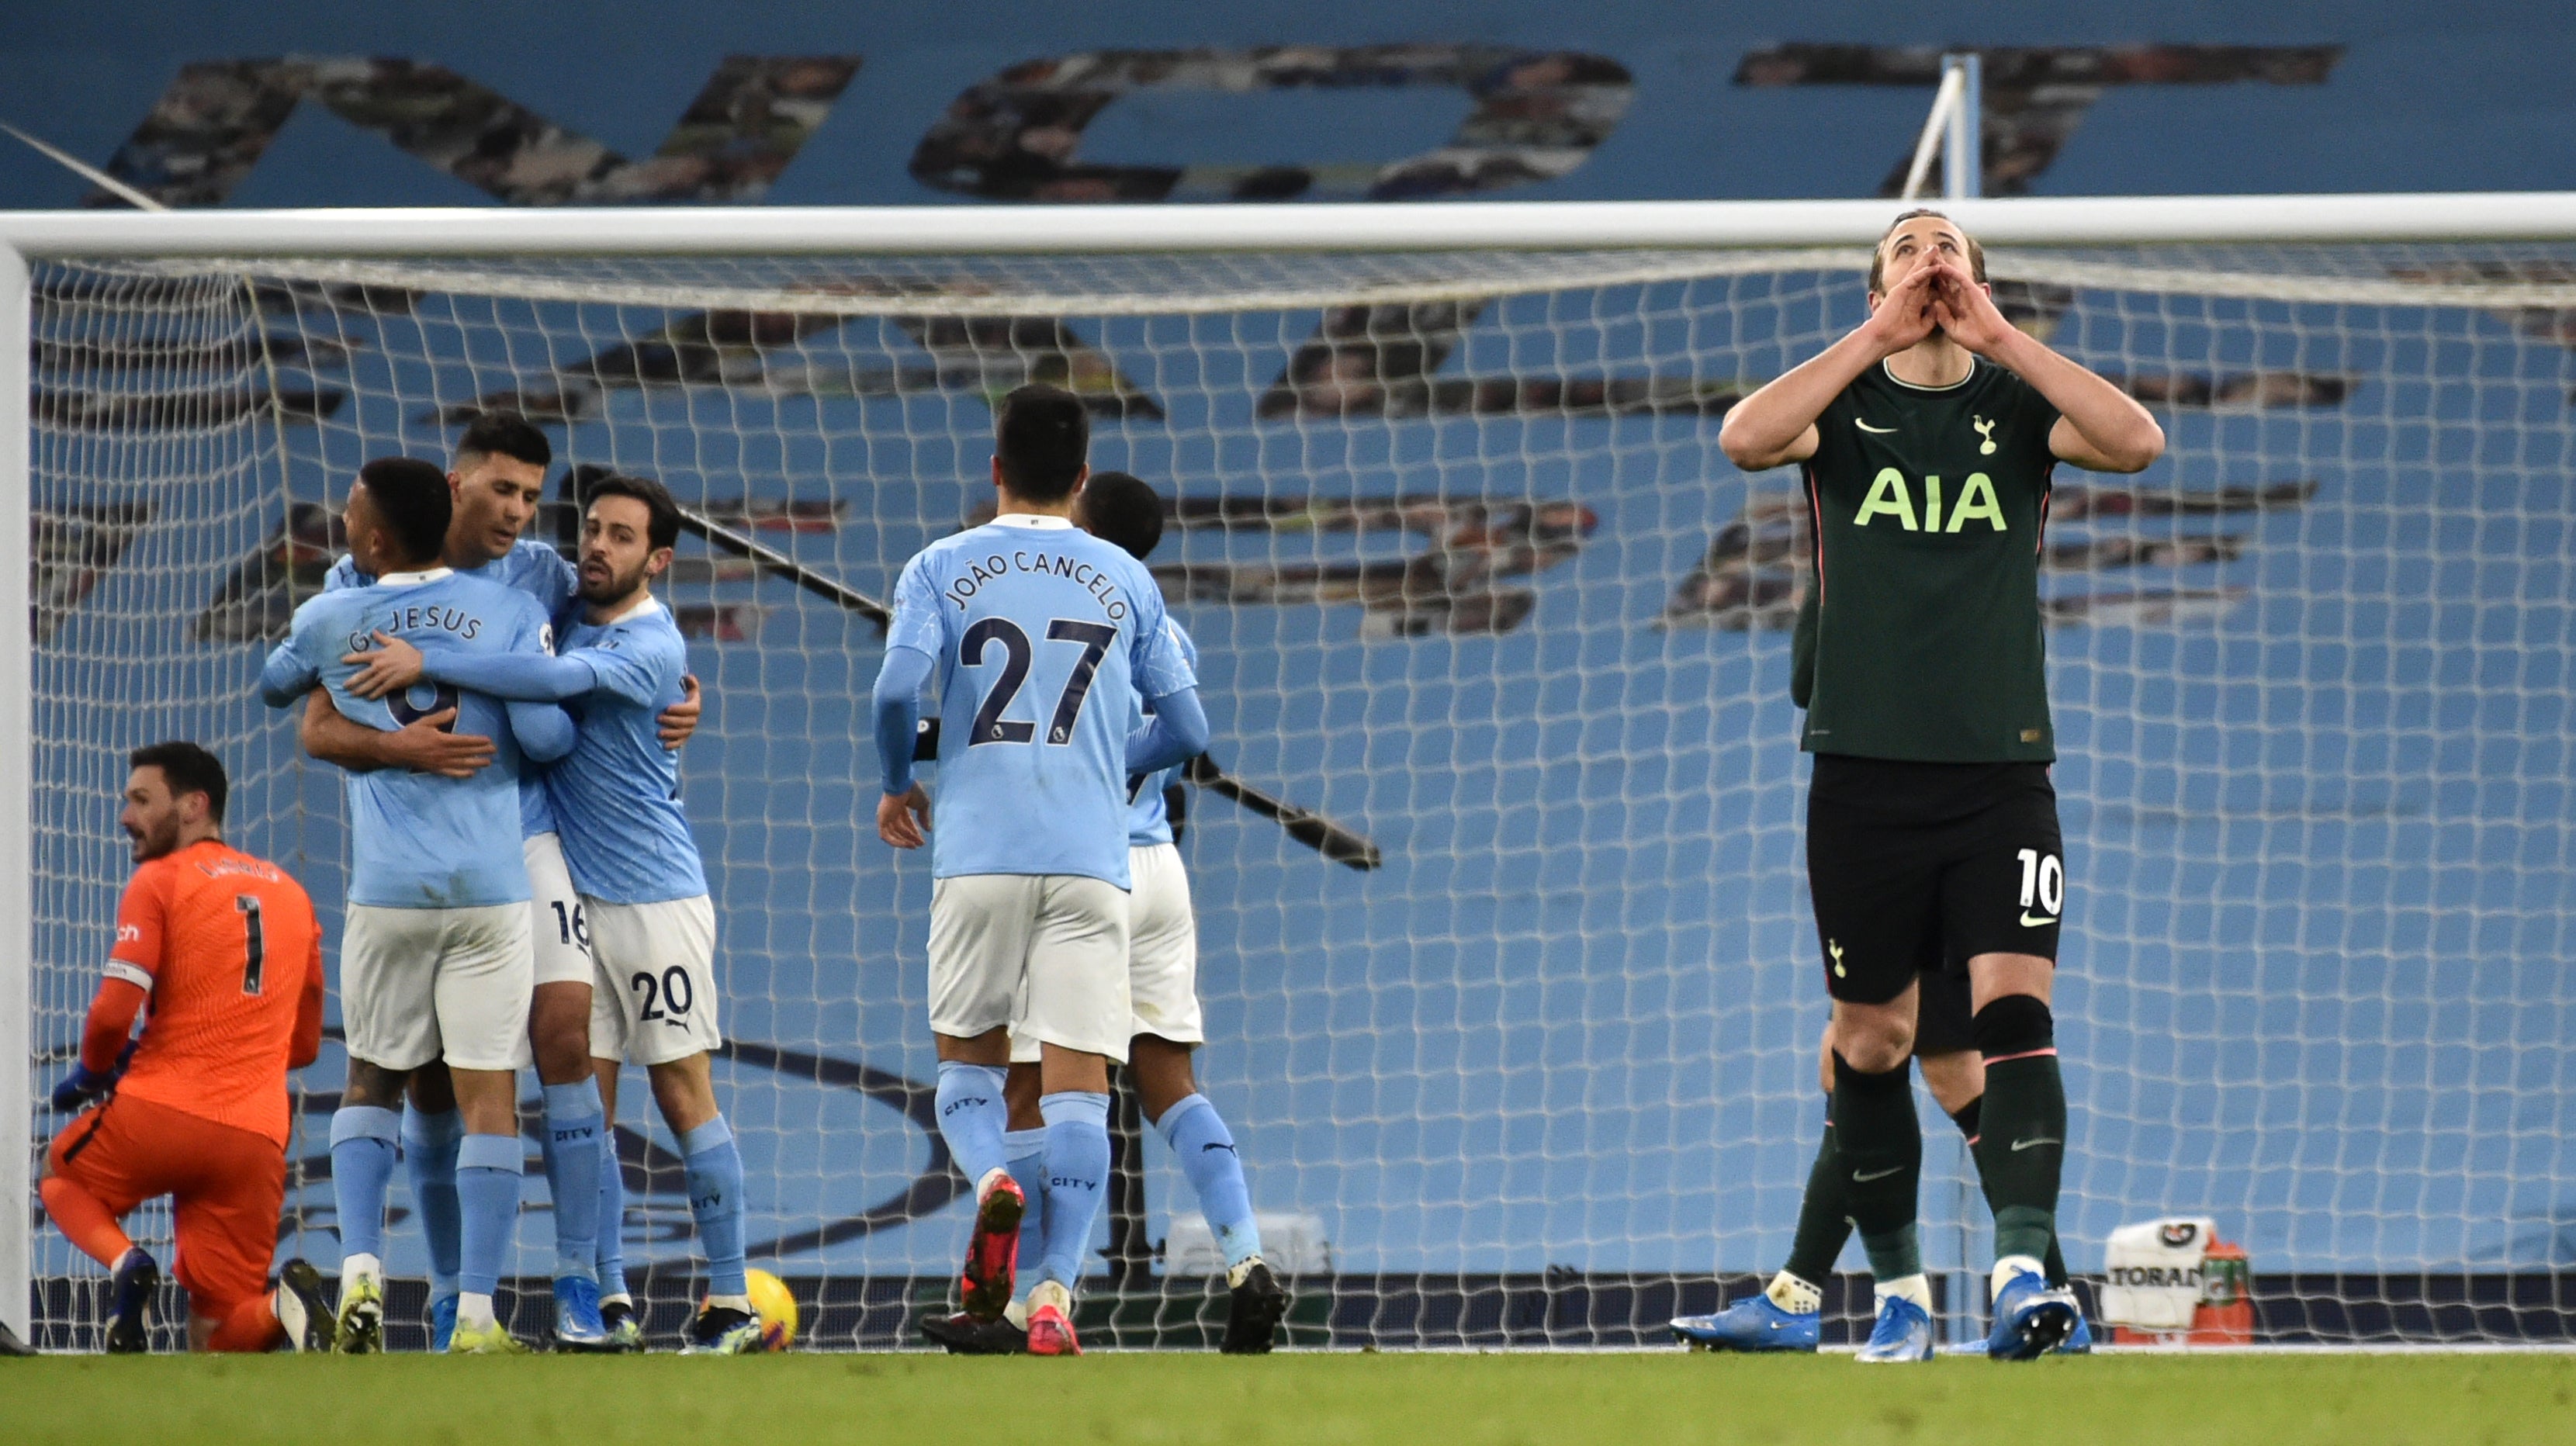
{"x":1961,"y":307}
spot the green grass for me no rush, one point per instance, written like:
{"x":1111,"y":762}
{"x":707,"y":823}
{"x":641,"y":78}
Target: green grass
{"x":1311,"y":1400}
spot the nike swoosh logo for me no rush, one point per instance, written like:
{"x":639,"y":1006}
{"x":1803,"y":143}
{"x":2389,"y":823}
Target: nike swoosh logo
{"x":1866,"y":427}
{"x":2021,"y":1145}
{"x":1860,"y":1179}
{"x":2042,"y":922}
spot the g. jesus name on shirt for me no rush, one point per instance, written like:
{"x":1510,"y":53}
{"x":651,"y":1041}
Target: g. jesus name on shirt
{"x":467,"y":626}
{"x":1082,"y":574}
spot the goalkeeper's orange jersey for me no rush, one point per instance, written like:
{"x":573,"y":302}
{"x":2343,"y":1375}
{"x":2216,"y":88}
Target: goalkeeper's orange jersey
{"x":228,"y":948}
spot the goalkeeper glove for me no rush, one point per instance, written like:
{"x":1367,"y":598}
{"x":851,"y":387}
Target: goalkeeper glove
{"x":83,"y":1084}
{"x":80,"y":1087}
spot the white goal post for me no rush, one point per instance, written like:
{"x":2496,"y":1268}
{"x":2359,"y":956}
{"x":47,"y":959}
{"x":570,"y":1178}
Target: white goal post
{"x":2145,"y":243}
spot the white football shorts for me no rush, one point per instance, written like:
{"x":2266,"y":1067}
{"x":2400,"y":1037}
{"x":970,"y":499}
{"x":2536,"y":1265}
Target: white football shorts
{"x":418,"y":985}
{"x":654,"y":995}
{"x":1162,"y":953}
{"x":1042,"y":954}
{"x":555,"y":915}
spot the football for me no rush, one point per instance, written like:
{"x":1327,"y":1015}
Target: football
{"x":777,"y":1307}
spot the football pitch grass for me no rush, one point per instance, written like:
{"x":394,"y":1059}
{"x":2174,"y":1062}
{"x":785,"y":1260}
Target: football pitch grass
{"x":1308,"y":1399}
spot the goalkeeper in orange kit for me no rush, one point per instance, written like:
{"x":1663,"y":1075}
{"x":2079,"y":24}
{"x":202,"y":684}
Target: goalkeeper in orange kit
{"x":221,"y":953}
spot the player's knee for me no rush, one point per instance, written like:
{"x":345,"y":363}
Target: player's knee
{"x":2015,"y":1024}
{"x":1163,"y":1077}
{"x":1021,"y":1090}
{"x":1874,"y":1045}
{"x":374,"y":1086}
{"x":562,"y":1048}
{"x":685,"y":1092}
{"x":1954,"y":1077}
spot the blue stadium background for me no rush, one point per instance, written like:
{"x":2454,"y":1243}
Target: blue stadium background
{"x":2338,"y":817}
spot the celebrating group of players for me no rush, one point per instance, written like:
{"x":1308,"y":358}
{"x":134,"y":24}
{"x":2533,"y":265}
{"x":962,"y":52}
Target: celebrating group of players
{"x":500,"y":910}
{"x":523,"y":889}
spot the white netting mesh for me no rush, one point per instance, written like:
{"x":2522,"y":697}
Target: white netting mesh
{"x":1470,"y":574}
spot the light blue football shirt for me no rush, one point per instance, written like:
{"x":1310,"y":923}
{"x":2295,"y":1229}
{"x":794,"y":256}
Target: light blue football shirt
{"x":419,"y":841}
{"x":534,"y":568}
{"x":617,"y":794}
{"x":1147,"y":821}
{"x":1040,"y":637}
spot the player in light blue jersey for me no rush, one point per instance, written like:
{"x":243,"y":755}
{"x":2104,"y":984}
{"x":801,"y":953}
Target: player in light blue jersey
{"x":497,"y":480}
{"x":436,"y":959}
{"x":1040,"y":636}
{"x":1162,"y":977}
{"x":627,"y":842}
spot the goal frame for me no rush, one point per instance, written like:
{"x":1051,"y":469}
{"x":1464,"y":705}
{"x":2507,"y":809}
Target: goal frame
{"x":29,"y":238}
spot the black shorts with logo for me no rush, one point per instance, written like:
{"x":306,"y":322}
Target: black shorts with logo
{"x":1916,"y":868}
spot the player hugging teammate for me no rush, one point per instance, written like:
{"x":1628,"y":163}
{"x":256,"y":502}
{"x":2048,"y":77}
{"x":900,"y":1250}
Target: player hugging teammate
{"x":1927,"y":438}
{"x":481,"y":881}
{"x":1050,"y":645}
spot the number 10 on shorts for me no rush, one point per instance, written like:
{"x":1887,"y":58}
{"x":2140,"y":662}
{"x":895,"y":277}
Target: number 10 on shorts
{"x":2043,"y":882}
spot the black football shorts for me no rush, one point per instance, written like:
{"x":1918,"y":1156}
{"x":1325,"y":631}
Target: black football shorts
{"x":1916,"y":868}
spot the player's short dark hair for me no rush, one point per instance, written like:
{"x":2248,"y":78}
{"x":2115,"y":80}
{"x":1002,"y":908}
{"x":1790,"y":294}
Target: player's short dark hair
{"x":189,"y":768}
{"x":503,"y":434}
{"x":1878,"y":253}
{"x":1120,"y":507}
{"x":1043,"y":437}
{"x":412,"y":497}
{"x":664,"y":528}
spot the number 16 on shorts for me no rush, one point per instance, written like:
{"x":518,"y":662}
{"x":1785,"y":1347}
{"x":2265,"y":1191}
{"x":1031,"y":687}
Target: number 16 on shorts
{"x":2043,"y":889}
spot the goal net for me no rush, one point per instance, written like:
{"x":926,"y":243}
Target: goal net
{"x":1469,"y":575}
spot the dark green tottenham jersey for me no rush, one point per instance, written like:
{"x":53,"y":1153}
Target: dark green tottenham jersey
{"x":1920,"y":639}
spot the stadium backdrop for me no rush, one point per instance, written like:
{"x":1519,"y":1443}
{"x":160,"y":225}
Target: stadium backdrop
{"x":860,"y":112}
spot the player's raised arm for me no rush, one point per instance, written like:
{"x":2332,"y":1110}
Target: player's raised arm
{"x":526,"y":677}
{"x":1777,"y":424}
{"x":287,"y":675}
{"x":2099,"y":427}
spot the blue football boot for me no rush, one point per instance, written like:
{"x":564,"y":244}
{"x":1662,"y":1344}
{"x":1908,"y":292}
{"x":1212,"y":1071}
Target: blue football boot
{"x":2081,"y":1342}
{"x":2031,"y":1318}
{"x":1755,"y":1323}
{"x":1903,"y":1332}
{"x":578,"y":1327}
{"x":442,"y":1323}
{"x":129,"y":1319}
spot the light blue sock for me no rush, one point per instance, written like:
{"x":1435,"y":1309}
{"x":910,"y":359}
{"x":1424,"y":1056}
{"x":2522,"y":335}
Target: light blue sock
{"x":573,"y":1121}
{"x":973,"y":1116}
{"x":429,"y":1160}
{"x":1025,"y":1155}
{"x":488,"y":1168}
{"x":715,"y":1198}
{"x":612,"y":1216}
{"x":1207,"y":1156}
{"x":362,"y":1171}
{"x":1077,"y":1167}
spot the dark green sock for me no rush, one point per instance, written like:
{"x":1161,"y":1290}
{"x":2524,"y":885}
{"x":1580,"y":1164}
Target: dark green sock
{"x":1881,"y":1150}
{"x":1968,"y":1118}
{"x":2023,"y":1153}
{"x":1824,"y":1217}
